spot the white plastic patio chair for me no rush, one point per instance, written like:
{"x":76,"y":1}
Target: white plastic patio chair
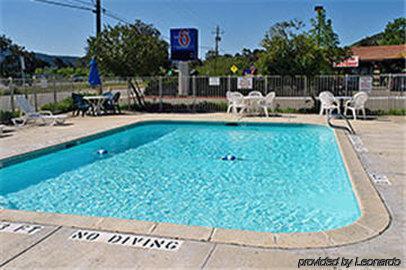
{"x":235,"y":102}
{"x":268,"y":103}
{"x":255,"y":94}
{"x":357,"y":103}
{"x":328,"y":103}
{"x":28,"y":113}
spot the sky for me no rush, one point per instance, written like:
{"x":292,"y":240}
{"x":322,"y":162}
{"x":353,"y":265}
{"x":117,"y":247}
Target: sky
{"x":58,"y":30}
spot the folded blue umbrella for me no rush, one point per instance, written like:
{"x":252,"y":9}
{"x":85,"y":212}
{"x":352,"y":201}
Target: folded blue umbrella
{"x":94,"y":77}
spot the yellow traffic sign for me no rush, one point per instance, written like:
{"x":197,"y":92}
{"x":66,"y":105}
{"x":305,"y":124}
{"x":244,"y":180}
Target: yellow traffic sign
{"x":234,"y":68}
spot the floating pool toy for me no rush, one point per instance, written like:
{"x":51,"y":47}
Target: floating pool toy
{"x":102,"y":152}
{"x":229,"y":157}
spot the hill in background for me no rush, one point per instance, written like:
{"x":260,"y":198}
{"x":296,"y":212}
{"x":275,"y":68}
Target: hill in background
{"x":59,"y":60}
{"x":369,"y":41}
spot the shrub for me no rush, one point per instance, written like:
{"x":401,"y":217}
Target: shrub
{"x":66,"y":105}
{"x":6,"y":116}
{"x":390,"y":112}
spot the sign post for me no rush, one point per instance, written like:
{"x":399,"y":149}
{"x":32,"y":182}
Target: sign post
{"x":183,"y":79}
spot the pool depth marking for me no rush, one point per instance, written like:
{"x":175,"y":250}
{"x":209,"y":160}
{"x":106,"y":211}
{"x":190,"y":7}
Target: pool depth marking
{"x":20,"y":228}
{"x":361,"y":150}
{"x":130,"y":240}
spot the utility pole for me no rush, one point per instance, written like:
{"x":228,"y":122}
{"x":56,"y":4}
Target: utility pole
{"x":98,"y":31}
{"x":98,"y":17}
{"x":217,"y":40}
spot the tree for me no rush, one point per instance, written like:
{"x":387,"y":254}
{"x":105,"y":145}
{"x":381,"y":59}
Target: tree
{"x":221,"y":65}
{"x":289,"y":51}
{"x":59,"y":63}
{"x":10,"y":59}
{"x":129,"y":50}
{"x":327,"y":41}
{"x":210,"y":54}
{"x":395,"y":33}
{"x":322,"y":31}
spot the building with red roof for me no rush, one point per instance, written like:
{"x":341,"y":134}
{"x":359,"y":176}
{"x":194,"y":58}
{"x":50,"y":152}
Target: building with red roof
{"x":370,"y":59}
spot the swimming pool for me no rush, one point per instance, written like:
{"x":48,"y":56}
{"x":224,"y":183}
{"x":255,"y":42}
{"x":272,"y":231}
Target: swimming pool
{"x":286,"y":178}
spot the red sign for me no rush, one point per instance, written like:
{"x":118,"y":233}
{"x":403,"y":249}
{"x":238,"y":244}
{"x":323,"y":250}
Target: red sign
{"x":184,"y":38}
{"x":353,"y":61}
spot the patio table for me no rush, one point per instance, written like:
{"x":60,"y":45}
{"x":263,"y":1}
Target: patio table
{"x":253,"y":103}
{"x":341,"y":100}
{"x":97,"y":102}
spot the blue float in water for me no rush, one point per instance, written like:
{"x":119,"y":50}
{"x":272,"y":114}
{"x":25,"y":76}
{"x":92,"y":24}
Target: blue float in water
{"x":102,"y":152}
{"x":229,"y":157}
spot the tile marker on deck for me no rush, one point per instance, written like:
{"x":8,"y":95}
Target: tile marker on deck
{"x":19,"y":228}
{"x":129,"y":240}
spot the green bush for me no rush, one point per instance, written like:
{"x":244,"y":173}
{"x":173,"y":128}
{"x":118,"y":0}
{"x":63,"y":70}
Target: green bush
{"x":65,"y":105}
{"x":397,"y":112}
{"x":390,"y":112}
{"x":6,"y":116}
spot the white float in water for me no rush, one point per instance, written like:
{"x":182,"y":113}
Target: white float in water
{"x":229,"y":157}
{"x":102,"y":152}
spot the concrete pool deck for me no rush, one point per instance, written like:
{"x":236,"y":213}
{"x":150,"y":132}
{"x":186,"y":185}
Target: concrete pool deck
{"x":206,"y":247}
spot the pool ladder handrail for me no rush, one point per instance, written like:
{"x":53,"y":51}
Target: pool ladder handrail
{"x":348,"y":128}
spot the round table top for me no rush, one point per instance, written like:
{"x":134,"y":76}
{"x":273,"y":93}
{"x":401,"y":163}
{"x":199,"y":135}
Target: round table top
{"x":253,"y":97}
{"x":95,"y":97}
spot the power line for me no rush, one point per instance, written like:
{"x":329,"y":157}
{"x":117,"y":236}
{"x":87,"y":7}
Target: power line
{"x":90,"y":7}
{"x":92,"y":4}
{"x":64,"y":5}
{"x":107,"y":13}
{"x":115,"y":16}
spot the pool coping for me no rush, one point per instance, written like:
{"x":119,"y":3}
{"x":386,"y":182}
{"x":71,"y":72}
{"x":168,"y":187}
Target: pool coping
{"x":374,"y":219}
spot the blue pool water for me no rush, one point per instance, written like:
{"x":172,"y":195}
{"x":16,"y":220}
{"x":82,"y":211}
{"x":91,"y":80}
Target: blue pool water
{"x":286,"y":178}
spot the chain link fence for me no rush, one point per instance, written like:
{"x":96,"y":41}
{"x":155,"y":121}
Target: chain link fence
{"x":208,"y":94}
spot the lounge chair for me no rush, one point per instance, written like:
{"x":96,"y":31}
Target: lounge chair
{"x":328,"y":103}
{"x":268,"y":103}
{"x":29,"y":113}
{"x":112,"y":104}
{"x":80,"y":105}
{"x":235,"y":102}
{"x":357,"y":103}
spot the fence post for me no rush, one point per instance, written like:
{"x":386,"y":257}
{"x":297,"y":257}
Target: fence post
{"x":229,"y":83}
{"x":194,"y":92}
{"x":160,"y":93}
{"x":12,"y":95}
{"x":35,"y":99}
{"x":346,"y":84}
{"x":305,"y":92}
{"x":389,"y":86}
{"x":54,"y":90}
{"x":266,"y":85}
{"x":129,"y":93}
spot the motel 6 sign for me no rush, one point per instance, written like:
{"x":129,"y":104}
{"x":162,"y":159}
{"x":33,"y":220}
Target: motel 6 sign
{"x":184,"y":44}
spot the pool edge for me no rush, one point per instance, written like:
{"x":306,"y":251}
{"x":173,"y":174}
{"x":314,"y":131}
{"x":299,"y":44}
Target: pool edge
{"x":374,"y":219}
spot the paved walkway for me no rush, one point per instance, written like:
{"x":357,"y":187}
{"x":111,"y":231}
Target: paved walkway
{"x":51,"y":247}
